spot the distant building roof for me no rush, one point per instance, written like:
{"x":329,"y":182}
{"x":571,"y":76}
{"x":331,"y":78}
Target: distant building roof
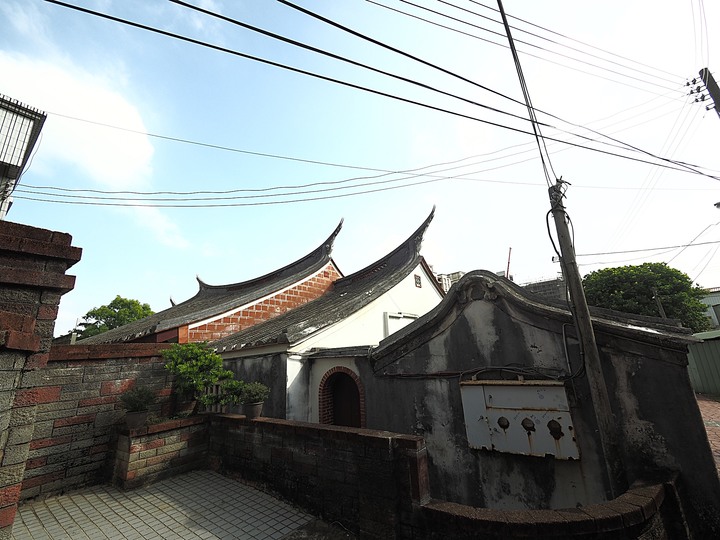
{"x":347,"y":296}
{"x":214,"y":300}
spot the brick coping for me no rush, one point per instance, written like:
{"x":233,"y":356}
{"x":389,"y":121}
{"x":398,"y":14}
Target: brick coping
{"x":330,"y":431}
{"x":65,"y":353}
{"x":166,"y":425}
{"x":633,"y":508}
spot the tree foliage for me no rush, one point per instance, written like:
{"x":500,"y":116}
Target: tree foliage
{"x":119,"y":312}
{"x":632,"y":289}
{"x":196,"y":368}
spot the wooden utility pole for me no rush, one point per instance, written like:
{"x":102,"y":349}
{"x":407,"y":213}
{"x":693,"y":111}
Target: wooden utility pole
{"x":607,"y":427}
{"x":658,"y":302}
{"x":712,"y":88}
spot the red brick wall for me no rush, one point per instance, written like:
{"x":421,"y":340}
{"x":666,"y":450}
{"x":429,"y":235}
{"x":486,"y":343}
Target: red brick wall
{"x":76,"y":399}
{"x":159,"y":451}
{"x":267,"y":309}
{"x":33,"y":263}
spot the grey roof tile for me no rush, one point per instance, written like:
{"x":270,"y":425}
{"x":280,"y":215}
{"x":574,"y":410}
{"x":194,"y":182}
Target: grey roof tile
{"x":345,"y":297}
{"x":213,"y":300}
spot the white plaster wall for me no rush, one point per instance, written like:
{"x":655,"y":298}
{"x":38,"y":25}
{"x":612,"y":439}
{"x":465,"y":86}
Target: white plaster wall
{"x":295,"y":397}
{"x":320,"y":367}
{"x":366,"y":327}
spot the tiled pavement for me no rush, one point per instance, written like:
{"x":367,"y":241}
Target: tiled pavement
{"x":198,"y":505}
{"x":710,"y":410}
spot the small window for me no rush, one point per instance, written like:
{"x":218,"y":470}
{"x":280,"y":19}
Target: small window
{"x":396,"y":321}
{"x":418,"y":282}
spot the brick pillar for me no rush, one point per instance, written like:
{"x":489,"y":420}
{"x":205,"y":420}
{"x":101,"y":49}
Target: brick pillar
{"x":32,"y":280}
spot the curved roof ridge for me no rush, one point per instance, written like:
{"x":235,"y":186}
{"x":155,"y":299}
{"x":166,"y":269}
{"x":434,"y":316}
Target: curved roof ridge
{"x":211,"y":300}
{"x":409,"y":251}
{"x":486,"y":285}
{"x":320,"y":254}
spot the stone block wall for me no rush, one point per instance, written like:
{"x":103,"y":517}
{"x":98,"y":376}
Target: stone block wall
{"x":268,"y":308}
{"x":159,"y":451}
{"x":33,"y":263}
{"x":76,"y":399}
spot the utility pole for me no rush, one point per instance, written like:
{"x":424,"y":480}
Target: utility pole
{"x":712,"y":89}
{"x":607,"y":427}
{"x":660,"y":307}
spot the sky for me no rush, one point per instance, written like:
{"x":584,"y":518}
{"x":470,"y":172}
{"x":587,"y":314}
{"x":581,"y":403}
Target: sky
{"x":239,"y":167}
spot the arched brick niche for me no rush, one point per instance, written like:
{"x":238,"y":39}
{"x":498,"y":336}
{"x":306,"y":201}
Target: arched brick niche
{"x":341,"y":398}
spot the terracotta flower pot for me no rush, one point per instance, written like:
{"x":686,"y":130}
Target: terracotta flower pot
{"x":252,"y":410}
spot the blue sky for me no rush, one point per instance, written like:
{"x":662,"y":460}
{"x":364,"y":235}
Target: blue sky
{"x":80,"y":67}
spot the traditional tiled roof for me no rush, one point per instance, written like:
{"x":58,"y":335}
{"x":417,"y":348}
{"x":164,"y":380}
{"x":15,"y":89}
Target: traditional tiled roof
{"x":212,"y":300}
{"x":345,"y":297}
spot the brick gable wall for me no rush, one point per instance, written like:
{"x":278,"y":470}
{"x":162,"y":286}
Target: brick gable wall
{"x":278,"y":304}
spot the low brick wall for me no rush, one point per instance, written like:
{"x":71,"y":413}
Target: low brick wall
{"x":376,"y":484}
{"x":360,"y":478}
{"x":160,"y":450}
{"x":76,"y":398}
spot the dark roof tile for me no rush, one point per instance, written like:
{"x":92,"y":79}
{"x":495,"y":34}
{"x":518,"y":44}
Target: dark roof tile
{"x":212,"y":300}
{"x":345,"y":297}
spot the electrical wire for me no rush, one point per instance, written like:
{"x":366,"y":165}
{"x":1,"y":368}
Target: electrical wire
{"x":443,"y":70}
{"x":674,"y":81}
{"x":342,"y":58}
{"x":542,"y":148}
{"x":538,"y":46}
{"x":474,"y":36}
{"x":649,"y":249}
{"x":377,"y":92}
{"x":573,"y":39}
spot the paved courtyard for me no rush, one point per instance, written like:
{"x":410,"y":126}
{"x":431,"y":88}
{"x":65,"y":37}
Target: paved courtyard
{"x":198,"y":505}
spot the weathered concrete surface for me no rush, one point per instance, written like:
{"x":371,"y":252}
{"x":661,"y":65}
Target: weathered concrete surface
{"x":489,"y":329}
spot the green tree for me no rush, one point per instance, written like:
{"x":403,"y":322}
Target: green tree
{"x":196,"y":368}
{"x":632,"y":289}
{"x":117,"y":313}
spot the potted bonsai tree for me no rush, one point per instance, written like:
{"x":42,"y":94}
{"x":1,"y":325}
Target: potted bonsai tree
{"x":136,"y":402}
{"x":252,"y":397}
{"x":196,"y":368}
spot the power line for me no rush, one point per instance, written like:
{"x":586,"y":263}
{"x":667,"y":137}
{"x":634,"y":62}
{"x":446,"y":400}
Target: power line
{"x":443,"y":70}
{"x":384,"y":172}
{"x":647,"y":249}
{"x":677,"y":78}
{"x":474,"y":36}
{"x":341,"y":58}
{"x":573,"y":39}
{"x":384,"y":94}
{"x":543,"y":48}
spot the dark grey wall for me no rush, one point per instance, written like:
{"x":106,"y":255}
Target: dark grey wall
{"x":410,"y":389}
{"x":269,"y":370}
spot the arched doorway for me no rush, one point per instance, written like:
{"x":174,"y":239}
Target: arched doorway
{"x":342,"y":398}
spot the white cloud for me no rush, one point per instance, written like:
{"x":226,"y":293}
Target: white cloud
{"x":163,"y":228}
{"x":110,"y":157}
